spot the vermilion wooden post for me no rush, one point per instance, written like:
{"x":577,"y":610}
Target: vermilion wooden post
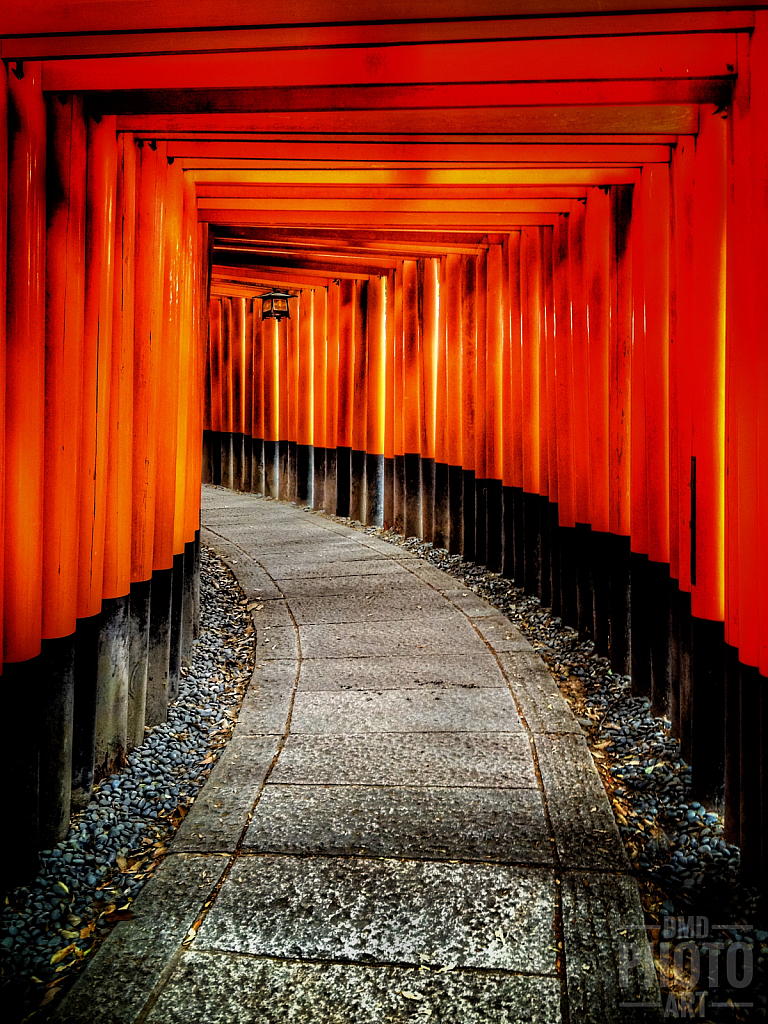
{"x":620,"y":361}
{"x":579,"y":364}
{"x":376,"y":411}
{"x":271,"y":398}
{"x":257,"y":414}
{"x":169,"y":373}
{"x":512,"y":413}
{"x":359,"y":408}
{"x":117,"y":539}
{"x":3,"y":311}
{"x":481,"y":473}
{"x":247,"y":395}
{"x":468,"y":400}
{"x":319,"y":392}
{"x":497,"y":312}
{"x":412,"y":410}
{"x":188,"y":387}
{"x":441,"y":529}
{"x":65,"y":296}
{"x":389,"y":401}
{"x":454,"y":404}
{"x":563,"y":373}
{"x":429,"y":353}
{"x":531,"y":303}
{"x":289,"y":367}
{"x":225,"y":383}
{"x":25,"y":367}
{"x":398,"y":519}
{"x":597,"y":278}
{"x":146,"y":354}
{"x":97,"y":360}
{"x":548,"y":544}
{"x":345,"y":394}
{"x":214,"y":343}
{"x":237,"y":355}
{"x":305,"y":393}
{"x":332,"y":384}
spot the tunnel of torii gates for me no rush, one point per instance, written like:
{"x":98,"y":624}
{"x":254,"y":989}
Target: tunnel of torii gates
{"x":529,"y":276}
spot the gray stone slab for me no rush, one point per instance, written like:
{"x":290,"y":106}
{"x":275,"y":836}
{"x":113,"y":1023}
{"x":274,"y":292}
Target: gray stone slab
{"x":429,"y":574}
{"x":390,"y":911}
{"x":279,"y":674}
{"x":541,"y":702}
{"x":469,"y":671}
{"x":470,"y":603}
{"x":345,"y":567}
{"x":122,"y":975}
{"x":393,"y":604}
{"x":277,"y":642}
{"x":582,"y":820}
{"x":506,"y":825}
{"x":413,"y":759}
{"x":270,"y":613}
{"x":609,"y":965}
{"x":371,"y":584}
{"x":218,"y":815}
{"x":432,"y":633}
{"x":426,"y":709}
{"x":227,"y":988}
{"x":498,"y":631}
{"x":317,"y":550}
{"x":264,"y":710}
{"x":255,"y":582}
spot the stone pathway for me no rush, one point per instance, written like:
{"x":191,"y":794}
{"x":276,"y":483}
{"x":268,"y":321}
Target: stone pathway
{"x":406,"y":826}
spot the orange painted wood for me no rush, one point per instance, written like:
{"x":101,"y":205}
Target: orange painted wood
{"x":332,"y":382}
{"x":117,"y":534}
{"x":3,"y":310}
{"x":563,"y":373}
{"x":377,"y":352}
{"x":454,"y":454}
{"x":214,"y":348}
{"x":389,"y":362}
{"x":248,"y":368}
{"x":169,"y":366}
{"x":481,"y":376}
{"x":399,"y":369}
{"x":305,"y":368}
{"x":549,"y":432}
{"x":429,"y":351}
{"x":97,"y":362}
{"x":412,"y":411}
{"x":270,"y":349}
{"x":65,"y":297}
{"x":683,"y":56}
{"x":345,"y":371}
{"x":319,"y":365}
{"x":497,"y":312}
{"x":513,"y":392}
{"x":227,"y":364}
{"x":289,"y":374}
{"x":194,"y":325}
{"x":638,"y":454}
{"x":707,"y":367}
{"x":25,"y":363}
{"x":656,"y":237}
{"x":468,"y":359}
{"x":150,"y":207}
{"x":187,"y":435}
{"x":257,"y":385}
{"x":441,"y":368}
{"x":237,"y":356}
{"x":597,"y":237}
{"x":620,"y":362}
{"x":579,"y":365}
{"x":531,"y":305}
{"x":359,"y":423}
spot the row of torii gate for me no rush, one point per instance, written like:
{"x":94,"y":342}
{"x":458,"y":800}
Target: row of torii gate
{"x":525,"y":248}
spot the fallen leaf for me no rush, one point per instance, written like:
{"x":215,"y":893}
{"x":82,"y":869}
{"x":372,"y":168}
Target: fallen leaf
{"x":64,"y":887}
{"x":49,"y":995}
{"x":119,"y":915}
{"x":58,"y":957}
{"x":88,"y":930}
{"x":122,"y":863}
{"x":410,"y":995}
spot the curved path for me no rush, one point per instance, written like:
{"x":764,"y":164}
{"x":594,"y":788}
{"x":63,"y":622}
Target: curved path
{"x":407,"y":824}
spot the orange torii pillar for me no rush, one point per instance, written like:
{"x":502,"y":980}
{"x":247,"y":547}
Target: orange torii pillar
{"x":257,"y":402}
{"x":345,"y":381}
{"x":289,"y":338}
{"x":271,"y":397}
{"x":226,"y":380}
{"x":430,"y":287}
{"x":479,"y":518}
{"x":24,"y":441}
{"x":374,"y":447}
{"x":448,"y":492}
{"x":359,"y":422}
{"x":468,"y":402}
{"x":65,"y":281}
{"x":332,"y":391}
{"x":398,"y":460}
{"x":304,"y":395}
{"x":237,"y":355}
{"x":412,"y":399}
{"x":531,"y":305}
{"x":213,"y":372}
{"x":513,"y":523}
{"x":319,"y":393}
{"x":246,"y":481}
{"x":388,"y":497}
{"x":549,"y":547}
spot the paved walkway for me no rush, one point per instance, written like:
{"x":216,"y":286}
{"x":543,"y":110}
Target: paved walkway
{"x":406,"y":825}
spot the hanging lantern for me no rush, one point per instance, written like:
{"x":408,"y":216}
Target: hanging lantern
{"x":274,"y":305}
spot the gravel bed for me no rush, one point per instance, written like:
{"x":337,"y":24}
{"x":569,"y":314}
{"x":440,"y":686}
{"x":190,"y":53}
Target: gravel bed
{"x":687,"y":872}
{"x":50,"y":928}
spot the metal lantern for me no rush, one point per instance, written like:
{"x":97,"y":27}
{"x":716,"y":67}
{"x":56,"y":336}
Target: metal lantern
{"x":274,"y":305}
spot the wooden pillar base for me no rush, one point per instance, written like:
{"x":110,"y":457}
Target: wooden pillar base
{"x":374,"y":490}
{"x":111,"y":727}
{"x":138,"y":660}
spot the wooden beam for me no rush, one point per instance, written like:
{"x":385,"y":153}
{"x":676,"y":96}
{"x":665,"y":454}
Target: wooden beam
{"x":329,"y":267}
{"x":391,"y":176}
{"x":683,"y":56}
{"x":473,"y":222}
{"x":617,"y":119}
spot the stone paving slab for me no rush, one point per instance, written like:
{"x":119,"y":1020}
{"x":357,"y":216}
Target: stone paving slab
{"x":611,"y":976}
{"x":345,"y":567}
{"x":396,"y":603}
{"x":218,"y":815}
{"x":133,"y":958}
{"x":505,"y":825}
{"x":434,"y":633}
{"x":251,"y":577}
{"x":265,"y":710}
{"x":470,"y":603}
{"x":428,"y":709}
{"x":390,"y":911}
{"x":468,"y":671}
{"x":498,"y":631}
{"x":422,"y":759}
{"x":582,"y":819}
{"x":372,"y":584}
{"x":538,"y":695}
{"x":227,"y":988}
{"x":277,"y":642}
